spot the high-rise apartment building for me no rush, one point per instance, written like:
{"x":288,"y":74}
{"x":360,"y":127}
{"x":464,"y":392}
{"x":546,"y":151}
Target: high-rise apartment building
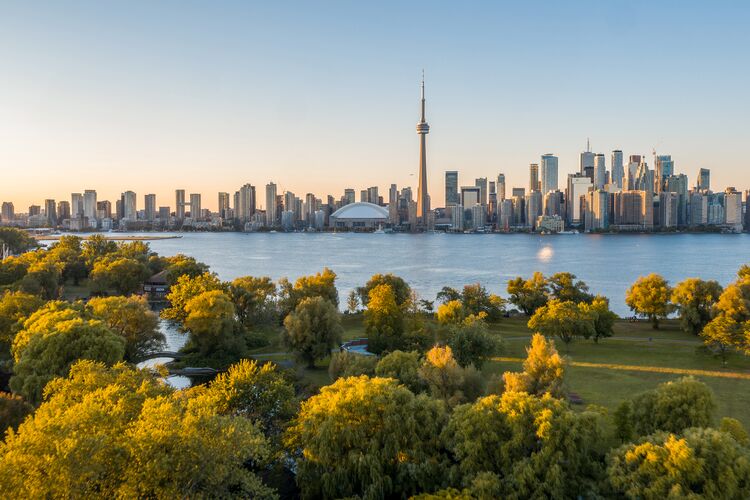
{"x":50,"y":211}
{"x":733,"y":208}
{"x":349,"y":196}
{"x":679,"y":184}
{"x":89,"y":205}
{"x":272,"y":218}
{"x":481,"y":183}
{"x":103,"y":209}
{"x":129,"y":206}
{"x":164,"y":215}
{"x":372,"y":195}
{"x":76,"y":205}
{"x":533,"y":202}
{"x":63,"y":210}
{"x":549,"y":174}
{"x":7,"y":212}
{"x":534,"y":184}
{"x":617,"y":169}
{"x":150,"y":207}
{"x":596,"y":210}
{"x":470,"y":196}
{"x":393,"y":216}
{"x":578,"y":185}
{"x":224,"y":206}
{"x":179,"y":204}
{"x":195,"y":206}
{"x":704,"y":179}
{"x":246,"y":203}
{"x":451,"y":188}
{"x":600,"y":171}
{"x":500,"y":187}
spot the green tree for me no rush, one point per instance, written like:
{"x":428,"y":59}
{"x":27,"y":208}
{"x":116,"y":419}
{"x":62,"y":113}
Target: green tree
{"x":472,"y":344}
{"x":404,"y":367}
{"x":477,"y":301}
{"x":15,"y":307}
{"x":12,"y":270}
{"x":734,"y":428}
{"x":529,"y":295}
{"x":649,"y":296}
{"x":121,"y":433}
{"x":543,"y":370}
{"x":602,"y":317}
{"x":352,"y":302}
{"x":349,"y":364}
{"x":693,"y":298}
{"x":672,"y":407}
{"x":447,"y":380}
{"x":42,"y":277}
{"x":131,"y":318}
{"x":183,"y":265}
{"x":96,"y":247}
{"x":312,"y":329}
{"x":185,"y":289}
{"x":564,"y":320}
{"x":370,"y":438}
{"x":384,"y":320}
{"x":564,"y":287}
{"x":318,"y":285}
{"x":68,"y":250}
{"x":125,"y":275}
{"x":51,"y":354}
{"x":44,"y":320}
{"x":730,"y":327}
{"x":401,"y":289}
{"x":17,"y":240}
{"x":253,"y":300}
{"x":447,"y":294}
{"x":701,"y":463}
{"x":536,"y":447}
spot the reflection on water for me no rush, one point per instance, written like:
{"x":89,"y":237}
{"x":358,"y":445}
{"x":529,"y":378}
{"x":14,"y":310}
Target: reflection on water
{"x":174,"y":342}
{"x":608,"y":263}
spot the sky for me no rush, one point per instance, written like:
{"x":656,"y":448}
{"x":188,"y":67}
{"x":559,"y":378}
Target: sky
{"x":151,"y":96}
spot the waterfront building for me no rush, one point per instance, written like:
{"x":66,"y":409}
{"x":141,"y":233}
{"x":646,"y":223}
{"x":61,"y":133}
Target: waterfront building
{"x":633,"y":210}
{"x":63,"y":211}
{"x":678,"y":183}
{"x":179,"y":201}
{"x":224,"y":205}
{"x":733,"y":209}
{"x":470,"y":196}
{"x":50,"y":212}
{"x":457,"y":218}
{"x":519,"y":210}
{"x":550,"y":223}
{"x":164,"y":214}
{"x":89,"y":206}
{"x":586,"y":163}
{"x":150,"y":207}
{"x":578,"y":185}
{"x":423,"y":201}
{"x":7,"y":213}
{"x":76,"y":205}
{"x":505,"y":215}
{"x":600,"y":171}
{"x":271,"y":214}
{"x":534,"y":183}
{"x":451,"y":188}
{"x":359,"y":216}
{"x":667,"y":215}
{"x":349,"y":196}
{"x":393,"y":216}
{"x":698,"y":208}
{"x":195,"y":206}
{"x":703,"y":181}
{"x":618,"y":171}
{"x":596,"y":210}
{"x":481,"y":183}
{"x":104,"y":209}
{"x":663,"y":168}
{"x":129,"y":206}
{"x":533,"y":202}
{"x":246,"y":203}
{"x":548,"y":173}
{"x":500,"y":187}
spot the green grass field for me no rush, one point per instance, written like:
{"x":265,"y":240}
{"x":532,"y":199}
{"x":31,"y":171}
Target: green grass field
{"x":633,"y":344}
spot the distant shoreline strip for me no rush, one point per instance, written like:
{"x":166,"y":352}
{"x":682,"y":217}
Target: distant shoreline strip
{"x":638,"y":368}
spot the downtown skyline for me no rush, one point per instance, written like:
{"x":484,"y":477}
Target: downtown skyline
{"x":323,"y":116}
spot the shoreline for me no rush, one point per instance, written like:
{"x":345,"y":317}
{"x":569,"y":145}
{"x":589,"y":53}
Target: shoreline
{"x":109,"y":238}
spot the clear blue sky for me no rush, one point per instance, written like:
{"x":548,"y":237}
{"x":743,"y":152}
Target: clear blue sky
{"x":319,"y":96}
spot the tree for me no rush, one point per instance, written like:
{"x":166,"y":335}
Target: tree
{"x":477,"y":301}
{"x":446,"y":379}
{"x":95,"y":247}
{"x":15,"y":307}
{"x":257,"y":392}
{"x":400,"y":288}
{"x":402,"y":366}
{"x":214,"y":335}
{"x":730,"y":327}
{"x":349,"y":364}
{"x":384,"y":320}
{"x":16,"y":240}
{"x":185,"y":289}
{"x":529,"y":295}
{"x":451,"y":313}
{"x":603,"y":319}
{"x":447,"y":294}
{"x":69,"y":251}
{"x":13,"y":411}
{"x":253,"y":299}
{"x":427,"y":306}
{"x":565,"y":320}
{"x":12,"y":270}
{"x":121,"y":433}
{"x":701,"y":463}
{"x":535,"y":447}
{"x":51,"y":354}
{"x":543,"y":370}
{"x":43,"y":320}
{"x":312,"y":330}
{"x":318,"y":285}
{"x":352,"y":302}
{"x":183,"y":265}
{"x":693,"y":298}
{"x":369,"y":438}
{"x":125,"y":275}
{"x":649,"y":296}
{"x":563,"y":286}
{"x":722,"y":335}
{"x":472,"y":344}
{"x":42,"y":277}
{"x":734,"y":428}
{"x":673,"y":407}
{"x":131,"y":318}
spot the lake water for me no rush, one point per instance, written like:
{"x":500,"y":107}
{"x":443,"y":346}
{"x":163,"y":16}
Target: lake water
{"x":607,"y":263}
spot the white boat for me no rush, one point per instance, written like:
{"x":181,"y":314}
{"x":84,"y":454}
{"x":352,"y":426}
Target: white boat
{"x":379,"y":230}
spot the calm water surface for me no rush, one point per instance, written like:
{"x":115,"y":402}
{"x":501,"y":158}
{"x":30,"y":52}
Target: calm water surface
{"x":608,"y":263}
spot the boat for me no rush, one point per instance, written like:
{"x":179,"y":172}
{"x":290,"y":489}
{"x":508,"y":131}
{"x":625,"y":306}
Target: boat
{"x":379,"y":230}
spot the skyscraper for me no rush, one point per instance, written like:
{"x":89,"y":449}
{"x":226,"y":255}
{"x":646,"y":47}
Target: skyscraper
{"x":8,"y":213}
{"x":600,"y":171}
{"x":195,"y":206}
{"x":704,"y":179}
{"x":617,"y":168}
{"x":76,"y":205}
{"x":423,"y":203}
{"x":664,"y":167}
{"x":63,"y":210}
{"x":481,"y":183}
{"x":451,"y":188}
{"x":587,"y":162}
{"x":271,"y":215}
{"x":500,"y":187}
{"x":129,"y":208}
{"x":223,"y":205}
{"x":89,"y":205}
{"x":549,"y":173}
{"x":50,"y":210}
{"x":179,"y":201}
{"x":150,"y":207}
{"x":245,"y":207}
{"x":534,"y":177}
{"x":393,"y":217}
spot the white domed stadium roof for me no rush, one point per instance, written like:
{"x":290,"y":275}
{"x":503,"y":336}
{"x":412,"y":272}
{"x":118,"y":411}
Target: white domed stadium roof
{"x":361,"y":210}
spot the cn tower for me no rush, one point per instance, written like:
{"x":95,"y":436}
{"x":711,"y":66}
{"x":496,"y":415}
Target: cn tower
{"x":423,"y":199}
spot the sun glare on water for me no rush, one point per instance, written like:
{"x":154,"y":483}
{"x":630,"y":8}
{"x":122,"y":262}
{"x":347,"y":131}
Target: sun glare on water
{"x":545,"y":254}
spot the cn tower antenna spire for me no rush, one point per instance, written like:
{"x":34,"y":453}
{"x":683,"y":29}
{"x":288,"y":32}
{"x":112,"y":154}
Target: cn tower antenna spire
{"x":422,"y":89}
{"x":423,"y":199}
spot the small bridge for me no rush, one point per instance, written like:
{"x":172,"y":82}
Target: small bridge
{"x":160,"y":354}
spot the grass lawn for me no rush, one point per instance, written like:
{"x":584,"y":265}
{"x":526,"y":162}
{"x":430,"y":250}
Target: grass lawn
{"x":633,"y":344}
